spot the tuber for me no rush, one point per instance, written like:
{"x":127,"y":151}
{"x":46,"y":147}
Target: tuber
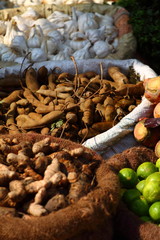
{"x":152,"y":89}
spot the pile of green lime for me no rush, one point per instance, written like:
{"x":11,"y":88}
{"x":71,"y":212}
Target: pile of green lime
{"x":141,"y":190}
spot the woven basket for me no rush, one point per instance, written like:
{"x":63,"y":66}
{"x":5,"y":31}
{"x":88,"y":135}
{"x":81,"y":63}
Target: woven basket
{"x":90,"y":218}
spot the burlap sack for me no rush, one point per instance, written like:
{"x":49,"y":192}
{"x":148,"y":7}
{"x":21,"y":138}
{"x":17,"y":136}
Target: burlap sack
{"x":126,"y":224}
{"x":89,"y":219}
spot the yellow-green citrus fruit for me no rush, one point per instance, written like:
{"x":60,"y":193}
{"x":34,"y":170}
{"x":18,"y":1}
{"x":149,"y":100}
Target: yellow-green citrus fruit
{"x":151,"y":191}
{"x":122,"y":191}
{"x":140,"y":185}
{"x":146,"y":219}
{"x":154,"y":177}
{"x":139,"y":206}
{"x":130,"y":194}
{"x":145,"y":169}
{"x":154,"y":211}
{"x":158,"y":163}
{"x":128,"y":177}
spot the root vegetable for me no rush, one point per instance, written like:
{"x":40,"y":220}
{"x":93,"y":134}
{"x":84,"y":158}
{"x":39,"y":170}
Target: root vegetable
{"x":41,"y":163}
{"x":6,"y":176}
{"x":22,"y":102}
{"x":87,"y":133}
{"x":136,"y":90}
{"x":47,"y":100}
{"x":78,"y":189}
{"x":98,"y":99}
{"x":31,"y":98}
{"x":157,"y":149}
{"x":65,"y":76}
{"x":45,"y":131}
{"x":102,"y":126}
{"x":4,"y":147}
{"x":54,"y":93}
{"x":17,"y":191}
{"x":12,"y":97}
{"x":35,"y":186}
{"x":145,"y":135}
{"x":76,"y":152}
{"x":55,"y":203}
{"x":43,"y":109}
{"x":29,"y":172}
{"x":40,"y":195}
{"x":156,"y":111}
{"x":35,"y":115}
{"x":36,"y":210}
{"x":10,"y":119}
{"x":110,"y":111}
{"x":51,"y":169}
{"x":124,"y":103}
{"x":118,"y":77}
{"x":72,"y":177}
{"x":71,"y":117}
{"x":57,"y":178}
{"x":88,"y":111}
{"x":42,"y":75}
{"x":31,"y":79}
{"x":70,"y":103}
{"x":19,"y":160}
{"x":41,"y":146}
{"x":152,"y":89}
{"x":25,"y":122}
{"x":52,"y":81}
{"x":23,"y":110}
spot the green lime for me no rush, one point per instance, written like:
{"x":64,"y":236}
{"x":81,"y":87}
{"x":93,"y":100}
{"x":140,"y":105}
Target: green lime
{"x":140,"y":185}
{"x":123,"y":190}
{"x":151,"y":191}
{"x":146,"y":219}
{"x":154,"y":211}
{"x":130,"y":194}
{"x":158,"y":163}
{"x":145,"y":169}
{"x":128,"y":177}
{"x":139,"y":206}
{"x":154,"y":177}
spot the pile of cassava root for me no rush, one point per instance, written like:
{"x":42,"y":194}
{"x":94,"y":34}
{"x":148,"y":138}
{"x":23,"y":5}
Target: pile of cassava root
{"x":42,"y":176}
{"x":71,"y":106}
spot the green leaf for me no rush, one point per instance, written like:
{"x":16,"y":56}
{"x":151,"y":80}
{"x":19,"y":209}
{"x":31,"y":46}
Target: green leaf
{"x":57,"y":124}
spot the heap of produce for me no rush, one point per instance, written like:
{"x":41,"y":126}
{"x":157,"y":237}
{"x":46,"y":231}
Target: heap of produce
{"x":84,"y":35}
{"x":75,"y":107}
{"x":40,"y":177}
{"x":147,"y":130}
{"x":141,"y":190}
{"x":36,"y":2}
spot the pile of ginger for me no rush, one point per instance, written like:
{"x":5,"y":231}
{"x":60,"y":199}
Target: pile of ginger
{"x":40,"y":177}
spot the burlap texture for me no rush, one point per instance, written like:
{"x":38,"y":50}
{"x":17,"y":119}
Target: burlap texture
{"x":126,"y":224}
{"x":89,"y":219}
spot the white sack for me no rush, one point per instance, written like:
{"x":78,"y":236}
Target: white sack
{"x":119,"y":137}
